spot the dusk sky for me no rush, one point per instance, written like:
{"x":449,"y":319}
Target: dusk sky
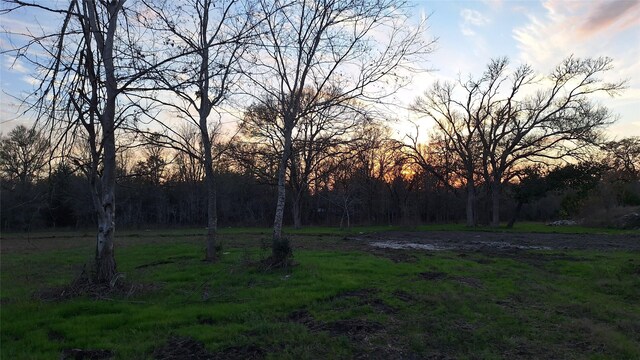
{"x":470,"y":33}
{"x":540,"y":33}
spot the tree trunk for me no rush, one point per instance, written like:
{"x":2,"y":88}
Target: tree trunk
{"x":495,"y":203}
{"x":105,"y":259}
{"x":296,"y":210}
{"x":471,"y":202}
{"x":346,"y":210}
{"x":104,"y":200}
{"x":212,"y":215}
{"x":280,"y":247}
{"x":212,"y":247}
{"x":206,"y":105}
{"x":515,"y":215}
{"x":104,"y":187}
{"x":277,"y":222}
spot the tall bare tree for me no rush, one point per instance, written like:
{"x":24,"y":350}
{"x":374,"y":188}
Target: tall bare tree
{"x":349,"y":49}
{"x":514,"y":116}
{"x":318,"y":137}
{"x":458,"y":129}
{"x":213,"y":36}
{"x":90,"y":64}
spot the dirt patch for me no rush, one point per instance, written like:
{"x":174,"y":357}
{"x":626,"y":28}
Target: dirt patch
{"x":432,"y":275}
{"x":468,"y":281}
{"x":370,"y":339}
{"x":436,"y":276}
{"x":178,"y":348}
{"x":474,"y":245}
{"x":182,"y":348}
{"x":82,"y":354}
{"x":366,"y":297}
{"x":305,"y":318}
{"x":496,"y":241}
{"x":404,"y":296}
{"x":248,"y":352}
{"x":387,"y":352}
{"x":354,"y":329}
{"x":359,"y":293}
{"x":397,"y":245}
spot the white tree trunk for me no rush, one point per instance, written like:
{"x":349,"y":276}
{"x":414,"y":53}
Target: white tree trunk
{"x":280,"y":203}
{"x":105,"y":188}
{"x":280,"y":248}
{"x":212,"y":211}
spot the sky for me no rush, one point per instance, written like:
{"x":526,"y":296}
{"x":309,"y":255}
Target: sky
{"x":539,"y":33}
{"x":470,"y":34}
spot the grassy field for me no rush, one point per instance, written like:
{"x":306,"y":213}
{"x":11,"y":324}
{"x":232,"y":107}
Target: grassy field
{"x":336,"y":303}
{"x":522,"y":227}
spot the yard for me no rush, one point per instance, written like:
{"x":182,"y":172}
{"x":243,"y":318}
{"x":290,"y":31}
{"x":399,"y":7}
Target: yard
{"x":478,"y":295}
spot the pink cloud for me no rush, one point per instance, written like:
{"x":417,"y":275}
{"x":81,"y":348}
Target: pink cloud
{"x":614,"y":15}
{"x":583,"y":28}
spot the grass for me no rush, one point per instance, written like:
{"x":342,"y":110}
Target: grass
{"x":521,"y":227}
{"x":575,"y":304}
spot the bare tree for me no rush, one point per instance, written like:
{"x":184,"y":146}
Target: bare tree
{"x":349,"y":49}
{"x":24,"y":153}
{"x":459,"y":131}
{"x":435,"y":158}
{"x":92,"y":61}
{"x":623,"y":156}
{"x":317,"y":138}
{"x":212,"y":37}
{"x":377,"y":157}
{"x":24,"y":156}
{"x":514,"y":117}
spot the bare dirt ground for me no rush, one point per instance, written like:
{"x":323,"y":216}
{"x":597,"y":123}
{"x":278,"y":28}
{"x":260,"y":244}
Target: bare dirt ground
{"x":472,"y":241}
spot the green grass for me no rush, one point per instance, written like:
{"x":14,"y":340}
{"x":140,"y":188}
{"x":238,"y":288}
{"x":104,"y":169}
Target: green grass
{"x":521,"y":227}
{"x":542,"y":304}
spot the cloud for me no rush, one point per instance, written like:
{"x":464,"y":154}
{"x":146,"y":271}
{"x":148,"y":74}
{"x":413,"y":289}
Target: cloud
{"x":618,"y":15}
{"x":494,"y":4}
{"x":472,"y":18}
{"x":13,"y":64}
{"x":589,"y":29}
{"x":625,"y":129}
{"x":31,"y":80}
{"x":583,"y":28}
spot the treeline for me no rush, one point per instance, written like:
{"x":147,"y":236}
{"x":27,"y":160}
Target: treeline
{"x":377,"y":180}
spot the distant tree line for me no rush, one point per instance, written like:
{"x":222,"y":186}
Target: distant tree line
{"x":376,"y":181}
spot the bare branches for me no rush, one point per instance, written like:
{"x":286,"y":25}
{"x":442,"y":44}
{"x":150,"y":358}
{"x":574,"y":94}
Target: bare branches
{"x":316,"y":55}
{"x":506,"y":118}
